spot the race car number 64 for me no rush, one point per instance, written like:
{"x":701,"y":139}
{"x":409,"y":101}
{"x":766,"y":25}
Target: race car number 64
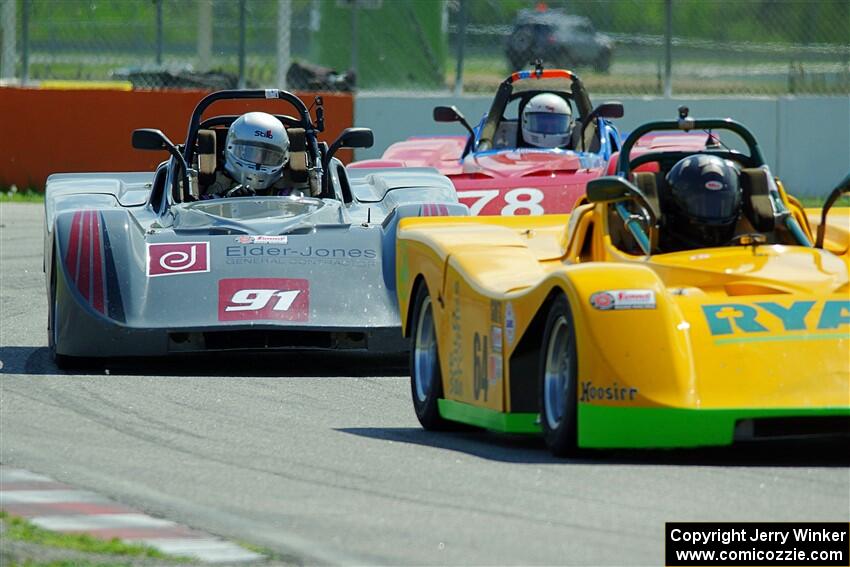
{"x":256,"y":299}
{"x":520,"y":199}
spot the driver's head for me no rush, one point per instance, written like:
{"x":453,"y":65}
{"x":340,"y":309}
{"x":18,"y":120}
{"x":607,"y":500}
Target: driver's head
{"x":705,"y":201}
{"x":547,"y":121}
{"x":256,"y":150}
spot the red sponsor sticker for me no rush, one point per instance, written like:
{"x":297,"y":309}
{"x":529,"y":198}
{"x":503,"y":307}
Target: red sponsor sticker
{"x":602,"y":300}
{"x":250,"y":299}
{"x":713,"y":185}
{"x":618,"y":299}
{"x":173,"y":258}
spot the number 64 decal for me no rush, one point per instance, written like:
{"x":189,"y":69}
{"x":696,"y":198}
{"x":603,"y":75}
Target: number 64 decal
{"x":520,"y":199}
{"x":242,"y":299}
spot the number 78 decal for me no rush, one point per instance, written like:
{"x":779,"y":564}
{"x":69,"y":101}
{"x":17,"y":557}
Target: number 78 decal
{"x":241,"y":299}
{"x":520,"y":199}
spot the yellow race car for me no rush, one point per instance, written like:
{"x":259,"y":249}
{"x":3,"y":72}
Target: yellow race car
{"x":603,"y":329}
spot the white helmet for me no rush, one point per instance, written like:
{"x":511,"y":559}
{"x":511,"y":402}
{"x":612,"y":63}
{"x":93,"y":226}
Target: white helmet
{"x":547,"y":121}
{"x":256,"y":150}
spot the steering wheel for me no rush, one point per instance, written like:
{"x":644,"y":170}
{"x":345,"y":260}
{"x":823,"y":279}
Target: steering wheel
{"x":647,"y":217}
{"x":749,"y":239}
{"x":241,"y":191}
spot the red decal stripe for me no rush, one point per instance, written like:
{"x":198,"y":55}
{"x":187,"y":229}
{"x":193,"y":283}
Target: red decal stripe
{"x":73,"y":245}
{"x":84,"y":277}
{"x":97,"y":288}
{"x":423,"y":210}
{"x":444,"y":210}
{"x":433,"y":210}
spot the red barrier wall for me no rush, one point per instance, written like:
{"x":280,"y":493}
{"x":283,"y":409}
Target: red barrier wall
{"x":65,"y":131}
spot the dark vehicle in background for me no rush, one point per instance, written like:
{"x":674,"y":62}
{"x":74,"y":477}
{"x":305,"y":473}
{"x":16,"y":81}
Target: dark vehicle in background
{"x":558,"y":39}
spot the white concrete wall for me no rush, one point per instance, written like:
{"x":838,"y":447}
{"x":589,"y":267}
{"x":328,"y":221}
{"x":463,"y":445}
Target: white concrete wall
{"x":805,"y":140}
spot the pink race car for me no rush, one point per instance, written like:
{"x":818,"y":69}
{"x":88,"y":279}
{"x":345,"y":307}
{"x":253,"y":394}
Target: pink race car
{"x":532,"y":153}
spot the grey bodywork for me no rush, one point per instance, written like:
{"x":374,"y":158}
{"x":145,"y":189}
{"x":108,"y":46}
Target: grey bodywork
{"x":104,"y":303}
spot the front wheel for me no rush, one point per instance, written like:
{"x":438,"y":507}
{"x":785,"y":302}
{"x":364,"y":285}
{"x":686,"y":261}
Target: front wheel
{"x":558,"y":380}
{"x":426,"y":381}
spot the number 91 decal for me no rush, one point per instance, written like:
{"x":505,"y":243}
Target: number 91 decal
{"x":519,"y":201}
{"x":241,"y":299}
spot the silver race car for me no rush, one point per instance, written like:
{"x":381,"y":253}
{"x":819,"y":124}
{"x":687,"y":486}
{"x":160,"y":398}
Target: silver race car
{"x":146,"y":264}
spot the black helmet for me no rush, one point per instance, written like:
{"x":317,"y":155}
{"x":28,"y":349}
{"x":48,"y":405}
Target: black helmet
{"x":705,"y":201}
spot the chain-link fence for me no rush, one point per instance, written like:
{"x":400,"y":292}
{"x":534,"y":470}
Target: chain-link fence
{"x":621,"y":46}
{"x":617,"y":46}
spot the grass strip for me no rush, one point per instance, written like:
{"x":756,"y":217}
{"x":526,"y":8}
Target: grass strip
{"x":19,"y":529}
{"x":27,"y":196}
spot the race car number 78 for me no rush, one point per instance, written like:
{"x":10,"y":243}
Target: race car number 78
{"x":520,"y":199}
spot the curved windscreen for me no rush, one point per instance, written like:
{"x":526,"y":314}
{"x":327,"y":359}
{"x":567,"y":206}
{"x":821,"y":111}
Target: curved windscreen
{"x":247,"y":208}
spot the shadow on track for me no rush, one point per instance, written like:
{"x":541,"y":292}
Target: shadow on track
{"x":36,"y":361}
{"x":483,"y":444}
{"x":531,"y":449}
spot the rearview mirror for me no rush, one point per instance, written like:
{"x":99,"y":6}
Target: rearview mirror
{"x":447,"y":114}
{"x":611,"y":109}
{"x":609,"y":188}
{"x":355,"y":138}
{"x":350,"y":138}
{"x":451,"y":114}
{"x":150,"y":139}
{"x":613,"y":188}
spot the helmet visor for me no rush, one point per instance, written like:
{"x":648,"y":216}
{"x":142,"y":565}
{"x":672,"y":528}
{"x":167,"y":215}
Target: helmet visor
{"x":713,"y":207}
{"x":547,"y":122}
{"x":262,"y":155}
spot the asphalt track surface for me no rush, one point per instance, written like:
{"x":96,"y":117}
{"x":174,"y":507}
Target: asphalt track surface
{"x":321,"y":459}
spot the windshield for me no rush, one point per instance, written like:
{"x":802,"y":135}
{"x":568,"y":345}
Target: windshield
{"x":255,"y":215}
{"x":248,"y":208}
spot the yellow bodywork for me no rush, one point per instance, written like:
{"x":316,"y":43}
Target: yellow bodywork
{"x":763,"y":328}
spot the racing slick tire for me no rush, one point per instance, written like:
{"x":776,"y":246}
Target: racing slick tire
{"x":558,"y":380}
{"x":426,"y":380}
{"x":62,"y":361}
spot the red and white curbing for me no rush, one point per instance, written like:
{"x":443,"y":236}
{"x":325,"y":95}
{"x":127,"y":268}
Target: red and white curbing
{"x":58,"y":507}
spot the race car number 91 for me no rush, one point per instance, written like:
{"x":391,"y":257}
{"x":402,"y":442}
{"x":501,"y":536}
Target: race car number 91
{"x":520,"y":201}
{"x":241,"y":299}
